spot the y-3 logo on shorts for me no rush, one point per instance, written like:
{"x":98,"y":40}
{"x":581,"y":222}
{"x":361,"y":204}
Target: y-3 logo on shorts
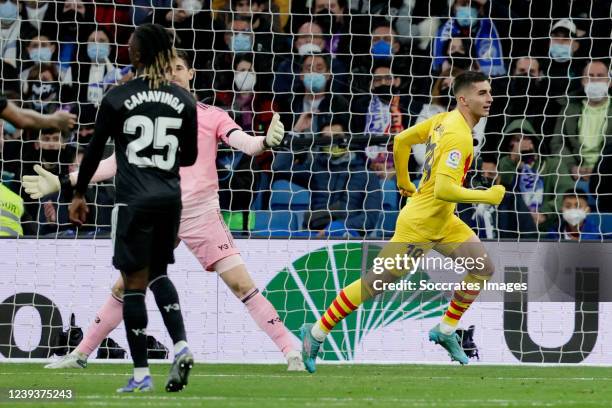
{"x":138,"y":332}
{"x":222,"y":247}
{"x":174,"y":306}
{"x":275,"y":320}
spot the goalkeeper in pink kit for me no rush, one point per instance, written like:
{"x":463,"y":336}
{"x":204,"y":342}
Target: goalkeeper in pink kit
{"x":202,"y":228}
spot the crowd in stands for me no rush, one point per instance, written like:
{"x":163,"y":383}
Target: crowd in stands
{"x":345,"y":77}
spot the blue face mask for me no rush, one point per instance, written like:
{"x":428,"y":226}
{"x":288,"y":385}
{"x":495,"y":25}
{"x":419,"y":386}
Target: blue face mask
{"x":98,"y":52}
{"x":42,"y":54}
{"x":241,"y":42}
{"x":8,"y":11}
{"x":560,"y":52}
{"x":9,"y":128}
{"x":466,"y":16}
{"x":381,"y":49}
{"x":314,"y":81}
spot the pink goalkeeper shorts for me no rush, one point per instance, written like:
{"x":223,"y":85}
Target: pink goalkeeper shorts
{"x":207,"y":237}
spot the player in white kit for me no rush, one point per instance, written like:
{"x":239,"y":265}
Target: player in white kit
{"x":202,"y":228}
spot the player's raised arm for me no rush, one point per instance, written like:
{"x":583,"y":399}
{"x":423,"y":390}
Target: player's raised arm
{"x":45,"y":182}
{"x":402,"y":145}
{"x":30,"y":119}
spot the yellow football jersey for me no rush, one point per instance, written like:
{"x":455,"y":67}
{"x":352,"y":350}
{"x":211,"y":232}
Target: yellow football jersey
{"x":449,"y":151}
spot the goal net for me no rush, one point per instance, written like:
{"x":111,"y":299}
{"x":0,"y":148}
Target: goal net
{"x":345,"y":77}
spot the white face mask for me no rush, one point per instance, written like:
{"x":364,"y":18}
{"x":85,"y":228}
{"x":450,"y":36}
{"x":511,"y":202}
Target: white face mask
{"x":309,"y":48}
{"x":596,"y":91}
{"x":245,"y":81}
{"x":574,"y":216}
{"x":191,"y":7}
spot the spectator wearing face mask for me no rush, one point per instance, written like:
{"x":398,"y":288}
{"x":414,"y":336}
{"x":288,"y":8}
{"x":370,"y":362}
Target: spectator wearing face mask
{"x":312,"y":102}
{"x":43,"y":51}
{"x":238,"y":38}
{"x":531,"y":179}
{"x":460,"y":53}
{"x":40,"y":18}
{"x":251,"y":106}
{"x":43,"y":89}
{"x":97,"y":72}
{"x":470,"y":21}
{"x":526,"y":92}
{"x":574,"y":224}
{"x":583,"y":124}
{"x":381,"y":111}
{"x":10,"y":28}
{"x":380,"y":46}
{"x":309,"y":39}
{"x":562,"y":68}
{"x":345,"y":199}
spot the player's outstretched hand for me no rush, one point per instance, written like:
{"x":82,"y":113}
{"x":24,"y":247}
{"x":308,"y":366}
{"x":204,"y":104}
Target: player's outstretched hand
{"x":276,"y":131}
{"x":63,"y":120}
{"x":78,"y":210}
{"x":406,"y":190}
{"x":42,"y":184}
{"x":497,"y":194}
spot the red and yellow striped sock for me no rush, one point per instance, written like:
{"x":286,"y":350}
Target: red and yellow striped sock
{"x":462,"y":300}
{"x":347,"y":301}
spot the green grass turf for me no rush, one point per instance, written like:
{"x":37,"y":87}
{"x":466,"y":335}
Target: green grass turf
{"x":332,"y":386}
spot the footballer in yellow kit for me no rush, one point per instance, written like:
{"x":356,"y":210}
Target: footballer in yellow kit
{"x":428,"y":221}
{"x":449,"y":151}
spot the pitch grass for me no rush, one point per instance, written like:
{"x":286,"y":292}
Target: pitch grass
{"x":332,"y":386}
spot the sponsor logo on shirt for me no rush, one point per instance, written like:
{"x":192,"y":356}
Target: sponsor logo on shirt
{"x":453,"y":159}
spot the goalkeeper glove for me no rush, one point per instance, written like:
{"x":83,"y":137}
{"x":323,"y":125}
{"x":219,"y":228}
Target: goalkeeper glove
{"x":276,"y":132}
{"x":41,"y":185}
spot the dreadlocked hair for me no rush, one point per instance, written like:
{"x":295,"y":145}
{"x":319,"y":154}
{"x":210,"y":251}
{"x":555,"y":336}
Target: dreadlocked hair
{"x":156,"y":53}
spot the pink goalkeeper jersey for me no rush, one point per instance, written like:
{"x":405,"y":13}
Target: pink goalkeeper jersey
{"x":200,"y":182}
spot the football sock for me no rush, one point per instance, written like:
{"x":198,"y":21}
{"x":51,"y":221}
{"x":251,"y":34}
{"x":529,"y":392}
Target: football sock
{"x":108,"y":317}
{"x":140,"y":373}
{"x":136,"y":320}
{"x":266,"y":317}
{"x":462,"y":299}
{"x":347,"y":301}
{"x":167,"y":300}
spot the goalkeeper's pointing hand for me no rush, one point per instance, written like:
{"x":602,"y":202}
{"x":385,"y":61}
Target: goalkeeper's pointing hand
{"x":276,"y":132}
{"x":42,"y":184}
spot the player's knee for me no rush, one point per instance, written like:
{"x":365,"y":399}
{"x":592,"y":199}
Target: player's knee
{"x":136,"y":280}
{"x":117,"y":289}
{"x":485,"y":268}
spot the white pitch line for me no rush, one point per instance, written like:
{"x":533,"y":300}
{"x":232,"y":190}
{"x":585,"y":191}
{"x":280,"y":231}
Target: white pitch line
{"x":304,"y":375}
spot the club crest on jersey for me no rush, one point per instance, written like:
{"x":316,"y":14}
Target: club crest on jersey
{"x":453,"y":159}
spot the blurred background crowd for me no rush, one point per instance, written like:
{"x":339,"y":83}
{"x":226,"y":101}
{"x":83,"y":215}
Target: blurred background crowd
{"x":346,"y":76}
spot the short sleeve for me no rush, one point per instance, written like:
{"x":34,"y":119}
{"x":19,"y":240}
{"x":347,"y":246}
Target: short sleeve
{"x":3,"y":102}
{"x":455,"y":155}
